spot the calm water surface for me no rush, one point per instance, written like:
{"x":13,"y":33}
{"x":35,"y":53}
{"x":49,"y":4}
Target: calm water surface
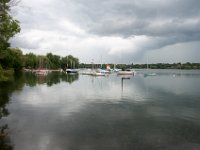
{"x":79,"y":112}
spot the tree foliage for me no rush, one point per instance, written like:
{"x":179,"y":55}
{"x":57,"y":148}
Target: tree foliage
{"x":8,"y":28}
{"x":144,"y":66}
{"x":8,"y":25}
{"x":54,"y":61}
{"x":12,"y":58}
{"x":30,"y":61}
{"x":50,"y":61}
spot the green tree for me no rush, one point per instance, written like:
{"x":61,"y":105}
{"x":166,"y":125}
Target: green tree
{"x":42,"y":62}
{"x":8,"y":26}
{"x":64,"y":63}
{"x":30,"y":61}
{"x":54,"y":61}
{"x":1,"y":73}
{"x":12,"y":58}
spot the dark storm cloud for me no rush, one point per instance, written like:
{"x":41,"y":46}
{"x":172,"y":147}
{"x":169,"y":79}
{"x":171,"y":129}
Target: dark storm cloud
{"x":107,"y":26}
{"x":167,"y":22}
{"x":144,"y":17}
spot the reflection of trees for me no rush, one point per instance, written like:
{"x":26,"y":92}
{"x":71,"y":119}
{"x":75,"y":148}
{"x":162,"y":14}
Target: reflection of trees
{"x":6,"y":88}
{"x":70,"y":77}
{"x":30,"y":79}
{"x":14,"y":83}
{"x":4,"y":138}
{"x":50,"y":79}
{"x":17,"y":83}
{"x":53,"y":78}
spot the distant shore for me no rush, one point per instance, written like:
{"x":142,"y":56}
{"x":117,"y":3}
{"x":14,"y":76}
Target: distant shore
{"x":186,"y":66}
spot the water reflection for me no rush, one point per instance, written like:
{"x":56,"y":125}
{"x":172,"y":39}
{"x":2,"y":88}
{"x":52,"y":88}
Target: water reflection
{"x":168,"y":72}
{"x":122,"y":81}
{"x":16,"y":84}
{"x":50,"y":79}
{"x":84,"y":112}
{"x":6,"y":88}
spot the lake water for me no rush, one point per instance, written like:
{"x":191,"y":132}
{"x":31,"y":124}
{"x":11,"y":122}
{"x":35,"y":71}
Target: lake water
{"x":80,"y":112}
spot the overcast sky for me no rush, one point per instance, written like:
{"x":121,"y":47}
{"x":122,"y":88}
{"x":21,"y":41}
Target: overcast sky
{"x":111,"y":31}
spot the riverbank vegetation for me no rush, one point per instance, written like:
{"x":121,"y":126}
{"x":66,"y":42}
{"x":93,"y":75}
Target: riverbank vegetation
{"x":49,"y":61}
{"x":8,"y":28}
{"x":179,"y":65}
{"x":14,"y":60}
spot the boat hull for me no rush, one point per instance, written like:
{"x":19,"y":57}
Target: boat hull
{"x":125,"y":73}
{"x":71,"y":71}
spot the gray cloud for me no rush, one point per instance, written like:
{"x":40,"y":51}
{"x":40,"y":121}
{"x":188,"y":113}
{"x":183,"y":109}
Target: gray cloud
{"x":143,"y":25}
{"x":144,"y":17}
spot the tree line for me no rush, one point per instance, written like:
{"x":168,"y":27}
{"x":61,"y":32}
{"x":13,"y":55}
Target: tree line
{"x":50,"y":61}
{"x":14,"y":59}
{"x":179,"y":65}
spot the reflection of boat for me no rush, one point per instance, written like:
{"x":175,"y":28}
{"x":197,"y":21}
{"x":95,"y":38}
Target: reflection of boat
{"x":72,"y":71}
{"x":98,"y":74}
{"x":122,"y":80}
{"x":126,"y":77}
{"x":126,"y":72}
{"x":150,"y":74}
{"x":41,"y":72}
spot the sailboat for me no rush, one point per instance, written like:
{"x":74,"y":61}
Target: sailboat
{"x":116,"y":69}
{"x":72,"y":70}
{"x":126,"y":72}
{"x":148,"y":73}
{"x":42,"y":72}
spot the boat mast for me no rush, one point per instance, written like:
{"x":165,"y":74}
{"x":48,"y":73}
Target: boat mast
{"x":67,"y":61}
{"x":101,"y":61}
{"x":71,"y":64}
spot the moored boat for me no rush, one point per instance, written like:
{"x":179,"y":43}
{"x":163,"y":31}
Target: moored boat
{"x":126,"y":72}
{"x":71,"y":71}
{"x":98,"y":74}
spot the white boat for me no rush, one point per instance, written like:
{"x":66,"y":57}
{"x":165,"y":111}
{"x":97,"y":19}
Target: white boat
{"x":98,"y":74}
{"x":41,"y":71}
{"x":71,"y":71}
{"x":102,"y":71}
{"x":94,"y":73}
{"x":117,"y":70}
{"x":126,"y":72}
